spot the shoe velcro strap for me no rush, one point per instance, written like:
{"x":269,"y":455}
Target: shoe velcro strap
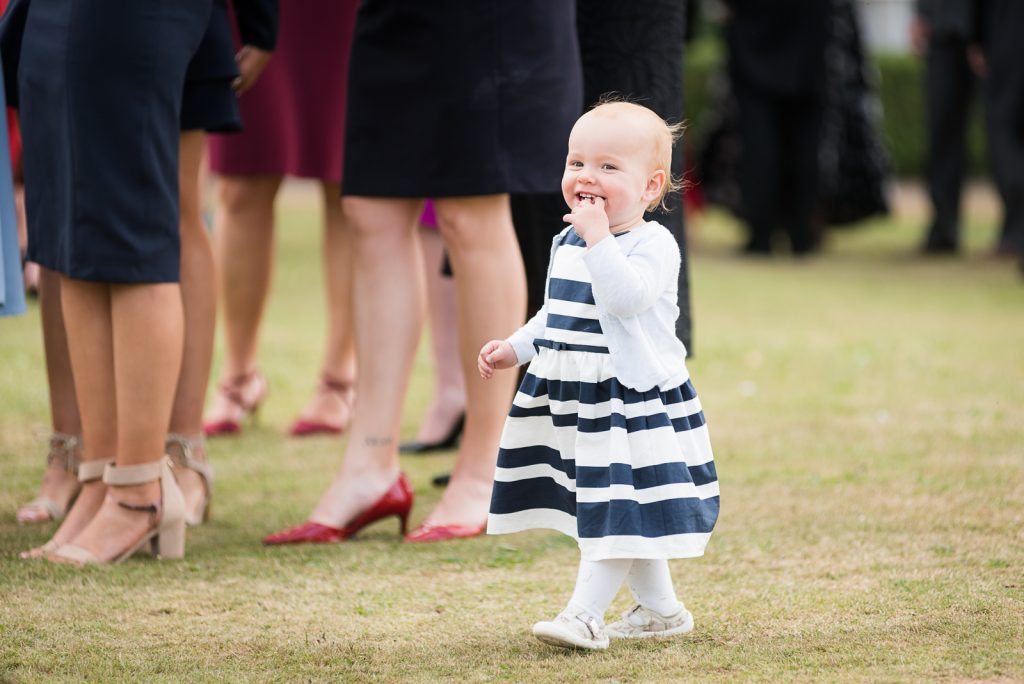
{"x":591,"y":624}
{"x":639,"y":616}
{"x":135,"y":474}
{"x":89,"y":471}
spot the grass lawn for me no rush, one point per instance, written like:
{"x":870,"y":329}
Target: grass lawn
{"x":867,"y":413}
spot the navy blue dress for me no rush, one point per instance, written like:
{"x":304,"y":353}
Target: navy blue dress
{"x":100,"y":88}
{"x":453,"y":97}
{"x":209,"y":102}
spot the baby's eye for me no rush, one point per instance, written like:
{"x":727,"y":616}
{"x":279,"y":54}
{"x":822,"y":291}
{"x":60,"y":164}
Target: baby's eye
{"x":608,"y":167}
{"x":574,"y":163}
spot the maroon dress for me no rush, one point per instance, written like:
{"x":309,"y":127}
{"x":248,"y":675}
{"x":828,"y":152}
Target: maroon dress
{"x":294,"y":117}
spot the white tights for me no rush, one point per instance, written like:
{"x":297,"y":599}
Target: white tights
{"x":599,"y":581}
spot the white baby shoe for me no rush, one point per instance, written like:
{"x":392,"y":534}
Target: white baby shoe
{"x":572,"y":628}
{"x":641,"y":623}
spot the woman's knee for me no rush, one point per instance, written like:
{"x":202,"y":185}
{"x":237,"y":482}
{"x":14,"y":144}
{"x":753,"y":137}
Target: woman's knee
{"x":466,"y":220}
{"x":241,"y":194}
{"x":380,"y":218}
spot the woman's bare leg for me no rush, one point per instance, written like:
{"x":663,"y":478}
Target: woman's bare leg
{"x":87,"y":320}
{"x":146,"y":329}
{"x":449,"y":398}
{"x":388,"y":318}
{"x":199,"y":303}
{"x":244,"y":236}
{"x":32,"y":272}
{"x":327,"y":406}
{"x":63,"y":407}
{"x":58,"y":484}
{"x":491,"y":289}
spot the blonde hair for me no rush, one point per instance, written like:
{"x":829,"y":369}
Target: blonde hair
{"x":664,"y":137}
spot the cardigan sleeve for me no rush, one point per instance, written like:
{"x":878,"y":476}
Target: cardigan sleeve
{"x":626,"y":285}
{"x":522,"y":339}
{"x":257,"y":22}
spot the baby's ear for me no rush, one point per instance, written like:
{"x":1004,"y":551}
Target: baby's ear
{"x":655,"y":182}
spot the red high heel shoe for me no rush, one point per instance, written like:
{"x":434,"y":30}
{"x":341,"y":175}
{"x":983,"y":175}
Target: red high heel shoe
{"x":303,"y":427}
{"x":432,"y":533}
{"x":245,"y":403}
{"x":396,"y":501}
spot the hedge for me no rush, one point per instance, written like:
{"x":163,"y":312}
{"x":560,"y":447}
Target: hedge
{"x":901,"y":89}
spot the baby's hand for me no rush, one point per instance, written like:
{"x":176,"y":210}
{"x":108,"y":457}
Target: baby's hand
{"x":590,"y":220}
{"x":495,"y":355}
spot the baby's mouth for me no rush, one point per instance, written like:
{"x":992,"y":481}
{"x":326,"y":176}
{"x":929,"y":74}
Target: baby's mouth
{"x":586,"y":197}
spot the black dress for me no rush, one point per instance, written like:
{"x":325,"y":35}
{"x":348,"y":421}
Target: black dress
{"x":209,"y":103}
{"x":635,"y":49}
{"x":100,"y":87}
{"x":999,"y":27}
{"x":455,"y":98}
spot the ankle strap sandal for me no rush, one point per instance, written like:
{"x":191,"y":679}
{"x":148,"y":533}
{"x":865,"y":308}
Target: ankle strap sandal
{"x":182,"y":451}
{"x":166,"y":535}
{"x":63,"y":455}
{"x":63,"y":452}
{"x":90,"y":471}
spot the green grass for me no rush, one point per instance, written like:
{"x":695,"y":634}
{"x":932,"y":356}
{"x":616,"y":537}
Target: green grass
{"x":867,"y":413}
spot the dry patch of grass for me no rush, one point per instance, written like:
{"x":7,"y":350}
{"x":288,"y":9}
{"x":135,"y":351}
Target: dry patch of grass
{"x":867,"y":411}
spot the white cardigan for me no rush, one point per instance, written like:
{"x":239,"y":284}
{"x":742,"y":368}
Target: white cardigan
{"x":635,"y":285}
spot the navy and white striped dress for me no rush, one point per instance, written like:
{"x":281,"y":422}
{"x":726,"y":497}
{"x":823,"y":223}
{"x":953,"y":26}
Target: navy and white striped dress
{"x":628,"y":474}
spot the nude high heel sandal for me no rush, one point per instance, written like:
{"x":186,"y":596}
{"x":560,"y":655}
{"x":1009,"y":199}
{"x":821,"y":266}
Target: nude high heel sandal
{"x":63,"y":455}
{"x":166,"y":536}
{"x":182,"y":451}
{"x":88,"y":471}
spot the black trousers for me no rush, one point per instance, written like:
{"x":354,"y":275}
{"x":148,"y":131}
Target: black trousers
{"x":1004,"y":115}
{"x":949,"y":87}
{"x":634,"y":49}
{"x":779,"y":172}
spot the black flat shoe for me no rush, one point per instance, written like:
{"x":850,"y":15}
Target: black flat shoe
{"x":449,"y":442}
{"x":939,"y":247}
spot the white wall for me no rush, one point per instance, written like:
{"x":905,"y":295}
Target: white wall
{"x":886,"y":24}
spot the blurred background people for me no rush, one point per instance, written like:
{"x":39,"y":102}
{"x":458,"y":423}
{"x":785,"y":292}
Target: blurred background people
{"x":777,"y":71}
{"x":294,"y":121}
{"x":12,"y":285}
{"x":792,"y":151}
{"x":941,"y":31}
{"x":999,"y":29}
{"x":852,"y":159}
{"x":12,"y":300}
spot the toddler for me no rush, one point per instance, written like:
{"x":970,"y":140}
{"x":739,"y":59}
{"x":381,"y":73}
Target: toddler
{"x":606,"y":440}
